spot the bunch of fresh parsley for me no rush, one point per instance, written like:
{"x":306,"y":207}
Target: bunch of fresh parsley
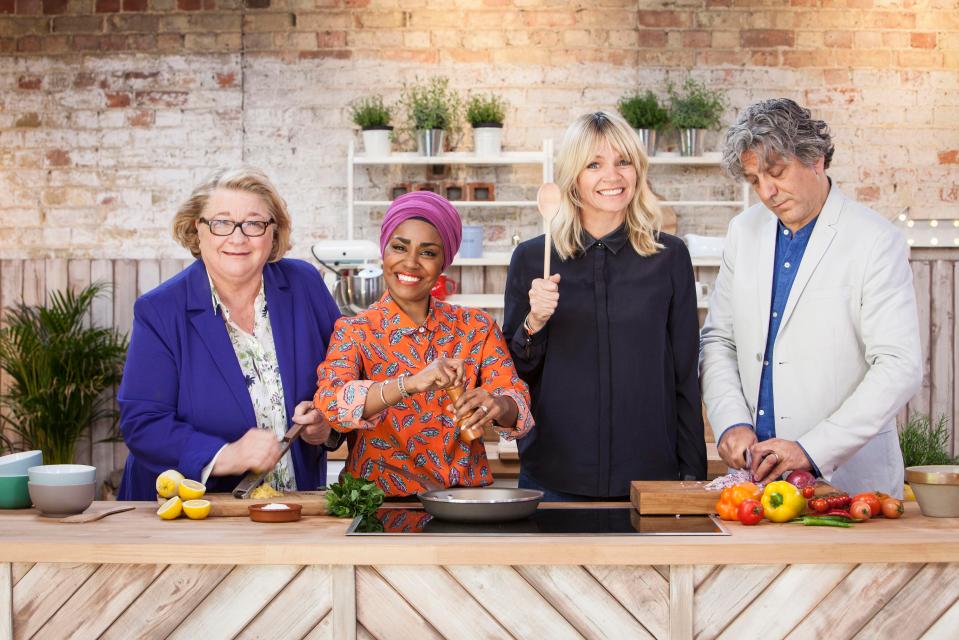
{"x":351,"y":497}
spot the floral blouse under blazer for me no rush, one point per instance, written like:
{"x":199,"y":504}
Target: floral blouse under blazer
{"x":417,"y":433}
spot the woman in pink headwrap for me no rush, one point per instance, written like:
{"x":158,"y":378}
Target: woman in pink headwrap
{"x":387,"y":370}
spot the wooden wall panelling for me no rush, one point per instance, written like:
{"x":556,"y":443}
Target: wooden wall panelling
{"x":102,"y":313}
{"x":6,"y":601}
{"x":726,"y":591}
{"x":936,"y":586}
{"x":921,"y":273}
{"x":386,"y":613}
{"x":34,"y":290}
{"x":681,"y":598}
{"x":100,"y":601}
{"x":78,"y":277}
{"x":942,"y":328}
{"x":11,"y":288}
{"x":124,"y":295}
{"x":343,"y":587}
{"x":642,"y":590}
{"x":244,"y":593}
{"x":294,"y":612}
{"x":515,"y":604}
{"x":434,"y":594}
{"x":42,"y":591}
{"x":167,"y":602}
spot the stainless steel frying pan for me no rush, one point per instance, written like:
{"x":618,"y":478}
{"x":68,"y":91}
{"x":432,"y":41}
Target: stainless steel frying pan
{"x":472,"y":504}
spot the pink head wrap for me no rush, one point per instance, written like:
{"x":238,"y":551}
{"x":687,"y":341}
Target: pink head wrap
{"x":433,"y":208}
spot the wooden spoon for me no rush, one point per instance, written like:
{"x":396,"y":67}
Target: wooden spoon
{"x":90,"y":517}
{"x":548,"y":199}
{"x":466,"y":435}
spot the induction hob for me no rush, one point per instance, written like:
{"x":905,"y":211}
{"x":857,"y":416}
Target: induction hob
{"x":560,"y":521}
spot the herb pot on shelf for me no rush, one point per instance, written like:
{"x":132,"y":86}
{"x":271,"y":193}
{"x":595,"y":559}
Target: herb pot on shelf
{"x":488,"y":138}
{"x":648,"y":139}
{"x":376,"y":141}
{"x":691,"y":142}
{"x":429,"y":142}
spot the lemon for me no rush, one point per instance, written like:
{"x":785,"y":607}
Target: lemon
{"x":168,"y":483}
{"x":196,"y":509}
{"x":191,"y":489}
{"x":171,"y":509}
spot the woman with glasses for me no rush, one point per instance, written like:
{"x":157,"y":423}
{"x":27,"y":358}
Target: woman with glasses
{"x":222,"y":357}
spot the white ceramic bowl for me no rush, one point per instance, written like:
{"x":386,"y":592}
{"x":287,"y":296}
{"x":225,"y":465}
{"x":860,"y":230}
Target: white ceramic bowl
{"x":16,"y":464}
{"x":936,"y":488}
{"x":62,"y":475}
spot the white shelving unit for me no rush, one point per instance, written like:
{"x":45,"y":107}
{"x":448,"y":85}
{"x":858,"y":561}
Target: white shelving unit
{"x":543,"y":157}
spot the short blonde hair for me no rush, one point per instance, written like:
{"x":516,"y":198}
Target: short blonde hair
{"x":248,"y":179}
{"x":643,"y":215}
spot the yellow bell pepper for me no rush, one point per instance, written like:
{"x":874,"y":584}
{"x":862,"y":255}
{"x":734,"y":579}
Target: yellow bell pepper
{"x":782,"y":501}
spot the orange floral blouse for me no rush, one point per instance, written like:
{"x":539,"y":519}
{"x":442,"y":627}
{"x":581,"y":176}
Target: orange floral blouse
{"x":416,"y":434}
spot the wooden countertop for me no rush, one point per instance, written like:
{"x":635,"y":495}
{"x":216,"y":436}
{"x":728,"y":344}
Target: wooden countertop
{"x":138,"y":536}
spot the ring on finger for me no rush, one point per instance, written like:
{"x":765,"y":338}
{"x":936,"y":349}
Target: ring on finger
{"x":484,"y":408}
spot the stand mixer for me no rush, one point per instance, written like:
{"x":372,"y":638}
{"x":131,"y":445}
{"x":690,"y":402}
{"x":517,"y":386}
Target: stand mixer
{"x":355,"y":277}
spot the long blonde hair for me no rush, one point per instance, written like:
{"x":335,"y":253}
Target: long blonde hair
{"x":582,"y":139}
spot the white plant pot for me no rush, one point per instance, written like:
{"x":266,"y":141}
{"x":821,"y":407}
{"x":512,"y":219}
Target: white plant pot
{"x":376,"y":142}
{"x":488,"y":141}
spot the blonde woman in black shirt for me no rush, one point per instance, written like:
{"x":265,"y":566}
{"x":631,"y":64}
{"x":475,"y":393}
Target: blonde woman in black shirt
{"x":609,"y":344}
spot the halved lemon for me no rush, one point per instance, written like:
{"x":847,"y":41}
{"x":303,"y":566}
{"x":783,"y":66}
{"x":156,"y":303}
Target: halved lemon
{"x":168,"y":483}
{"x":171,"y":509}
{"x":196,"y":509}
{"x":191,"y":489}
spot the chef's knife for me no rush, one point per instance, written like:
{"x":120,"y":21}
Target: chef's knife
{"x":253,"y":479}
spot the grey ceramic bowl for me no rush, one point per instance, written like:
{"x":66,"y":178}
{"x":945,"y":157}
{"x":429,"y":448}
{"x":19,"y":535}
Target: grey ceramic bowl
{"x":16,"y":464}
{"x":13,"y":492}
{"x":62,"y":474}
{"x":936,"y":488}
{"x":54,"y":500}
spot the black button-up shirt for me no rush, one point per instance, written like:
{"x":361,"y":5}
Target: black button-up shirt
{"x":613,"y":374}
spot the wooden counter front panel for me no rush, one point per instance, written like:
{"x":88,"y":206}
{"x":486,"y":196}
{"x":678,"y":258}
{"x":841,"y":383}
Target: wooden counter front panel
{"x":900,"y":601}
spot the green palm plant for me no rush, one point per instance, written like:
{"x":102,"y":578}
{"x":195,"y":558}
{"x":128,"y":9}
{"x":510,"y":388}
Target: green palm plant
{"x":59,"y":369}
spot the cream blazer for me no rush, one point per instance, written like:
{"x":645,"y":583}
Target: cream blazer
{"x":847,"y":356}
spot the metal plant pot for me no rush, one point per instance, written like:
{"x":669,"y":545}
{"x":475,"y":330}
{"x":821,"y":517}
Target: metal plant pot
{"x":488,"y":139}
{"x":647,"y":138}
{"x":691,"y":142}
{"x":429,"y":142}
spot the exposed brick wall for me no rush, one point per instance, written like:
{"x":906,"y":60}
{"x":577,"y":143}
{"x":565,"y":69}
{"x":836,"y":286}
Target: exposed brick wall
{"x":111,"y":109}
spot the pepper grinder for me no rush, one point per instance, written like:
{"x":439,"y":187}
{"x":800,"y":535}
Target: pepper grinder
{"x":466,"y":435}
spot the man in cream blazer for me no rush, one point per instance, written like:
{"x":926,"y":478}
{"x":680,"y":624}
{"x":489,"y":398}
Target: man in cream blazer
{"x":811,"y":345}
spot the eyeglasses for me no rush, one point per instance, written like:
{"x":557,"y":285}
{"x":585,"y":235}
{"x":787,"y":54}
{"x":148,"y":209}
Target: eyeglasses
{"x":250,"y":228}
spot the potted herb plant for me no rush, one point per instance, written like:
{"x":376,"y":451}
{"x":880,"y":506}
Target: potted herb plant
{"x":59,"y":368}
{"x":372,"y":116}
{"x":433,"y":108}
{"x":693,"y":109}
{"x":644,"y":114}
{"x":486,"y":114}
{"x":924,"y":443}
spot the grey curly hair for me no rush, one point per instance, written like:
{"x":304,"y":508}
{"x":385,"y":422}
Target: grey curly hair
{"x":779,"y":127}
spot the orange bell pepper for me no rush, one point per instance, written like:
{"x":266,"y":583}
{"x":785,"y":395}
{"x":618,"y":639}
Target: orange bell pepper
{"x":729,"y":500}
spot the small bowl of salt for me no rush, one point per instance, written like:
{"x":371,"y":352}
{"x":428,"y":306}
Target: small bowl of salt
{"x":275,"y":512}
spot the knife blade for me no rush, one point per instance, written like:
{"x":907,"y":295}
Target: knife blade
{"x":253,"y":479}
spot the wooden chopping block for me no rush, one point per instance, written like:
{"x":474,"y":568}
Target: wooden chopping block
{"x":672,"y":497}
{"x":225,"y":505}
{"x":683,"y":498}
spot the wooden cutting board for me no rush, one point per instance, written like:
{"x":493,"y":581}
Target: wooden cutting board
{"x":672,"y":497}
{"x":683,"y":498}
{"x":224,"y":504}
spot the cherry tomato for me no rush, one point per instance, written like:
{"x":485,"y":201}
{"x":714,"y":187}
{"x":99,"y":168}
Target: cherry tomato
{"x":892,"y":508}
{"x":875,"y":506}
{"x":860,"y":509}
{"x":750,"y":512}
{"x":819,"y":505}
{"x":808,"y":491}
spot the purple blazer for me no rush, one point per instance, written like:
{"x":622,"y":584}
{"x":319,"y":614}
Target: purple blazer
{"x":183,"y":395}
